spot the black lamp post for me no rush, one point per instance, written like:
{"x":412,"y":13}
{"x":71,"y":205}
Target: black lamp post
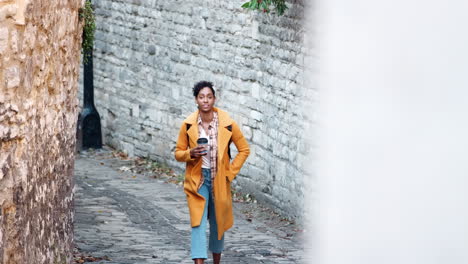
{"x":89,"y":122}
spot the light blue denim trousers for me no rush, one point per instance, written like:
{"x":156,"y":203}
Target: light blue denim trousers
{"x":198,"y":245}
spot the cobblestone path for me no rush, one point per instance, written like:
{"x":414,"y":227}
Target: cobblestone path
{"x":132,"y":218}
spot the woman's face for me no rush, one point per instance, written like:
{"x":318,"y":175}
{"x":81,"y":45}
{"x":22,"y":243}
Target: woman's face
{"x":205,"y":99}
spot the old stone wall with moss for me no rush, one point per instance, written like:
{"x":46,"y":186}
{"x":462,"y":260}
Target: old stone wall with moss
{"x":39,"y":63}
{"x":148,"y":55}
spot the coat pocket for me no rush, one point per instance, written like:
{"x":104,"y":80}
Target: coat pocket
{"x":229,"y":177}
{"x":228,"y":189}
{"x":228,"y":173}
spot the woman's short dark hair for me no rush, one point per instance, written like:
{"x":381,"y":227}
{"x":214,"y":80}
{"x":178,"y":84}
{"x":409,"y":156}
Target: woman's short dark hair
{"x":200,"y":85}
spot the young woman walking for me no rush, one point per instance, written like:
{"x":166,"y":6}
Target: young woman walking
{"x":209,"y":171}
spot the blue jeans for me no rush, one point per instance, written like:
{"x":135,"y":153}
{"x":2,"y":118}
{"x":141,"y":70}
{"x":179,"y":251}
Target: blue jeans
{"x":198,"y":245}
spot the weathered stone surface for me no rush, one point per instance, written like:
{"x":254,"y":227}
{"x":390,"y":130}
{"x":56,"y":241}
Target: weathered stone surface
{"x":38,"y":113}
{"x":7,"y":11}
{"x":150,"y":53}
{"x":12,"y":76}
{"x":3,"y":39}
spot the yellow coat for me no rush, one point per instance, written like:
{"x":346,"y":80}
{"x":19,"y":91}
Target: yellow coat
{"x":226,"y":170}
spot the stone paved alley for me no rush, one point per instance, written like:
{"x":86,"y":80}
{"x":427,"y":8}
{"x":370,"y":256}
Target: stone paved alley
{"x":126,"y":216}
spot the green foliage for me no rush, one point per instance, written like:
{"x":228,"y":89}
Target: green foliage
{"x":87,"y":14}
{"x":266,"y":5}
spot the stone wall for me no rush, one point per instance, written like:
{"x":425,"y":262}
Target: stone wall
{"x":39,"y":62}
{"x":148,"y":55}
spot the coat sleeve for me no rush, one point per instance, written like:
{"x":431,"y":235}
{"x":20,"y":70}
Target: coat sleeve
{"x":243,"y":151}
{"x":182,"y":151}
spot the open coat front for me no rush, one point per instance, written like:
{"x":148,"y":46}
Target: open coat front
{"x":226,"y":170}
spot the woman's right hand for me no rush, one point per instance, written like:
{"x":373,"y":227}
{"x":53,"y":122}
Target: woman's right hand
{"x":197,"y":152}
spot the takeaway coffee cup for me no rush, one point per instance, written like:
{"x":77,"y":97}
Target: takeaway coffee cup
{"x":203,"y":142}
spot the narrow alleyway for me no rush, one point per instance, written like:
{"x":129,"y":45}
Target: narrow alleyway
{"x":128,"y":217}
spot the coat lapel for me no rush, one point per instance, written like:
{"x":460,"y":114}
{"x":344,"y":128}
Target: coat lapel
{"x":192,"y":132}
{"x":224,"y":135}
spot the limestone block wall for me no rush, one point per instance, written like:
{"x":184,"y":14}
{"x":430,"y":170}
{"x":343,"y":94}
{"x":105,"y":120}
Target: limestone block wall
{"x":39,"y":61}
{"x":148,"y":55}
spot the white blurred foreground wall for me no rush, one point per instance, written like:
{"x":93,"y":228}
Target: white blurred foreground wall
{"x":393,"y":159}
